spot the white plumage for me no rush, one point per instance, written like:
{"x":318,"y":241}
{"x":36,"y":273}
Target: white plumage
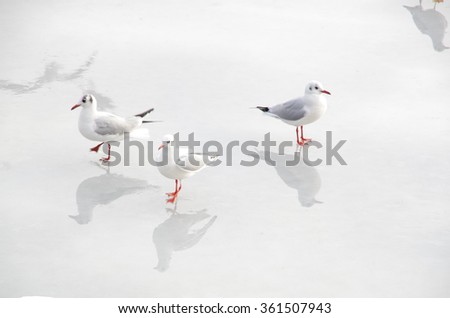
{"x":178,"y":163}
{"x":105,"y":127}
{"x":303,"y":110}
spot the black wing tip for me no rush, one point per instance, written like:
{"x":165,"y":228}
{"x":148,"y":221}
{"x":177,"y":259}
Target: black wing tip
{"x":145,"y":113}
{"x":263,"y":109}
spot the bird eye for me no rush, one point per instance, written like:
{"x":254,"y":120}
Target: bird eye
{"x":317,"y":87}
{"x":84,"y":100}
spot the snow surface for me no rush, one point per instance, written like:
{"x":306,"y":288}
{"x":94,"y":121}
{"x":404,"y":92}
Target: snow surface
{"x":70,"y":227}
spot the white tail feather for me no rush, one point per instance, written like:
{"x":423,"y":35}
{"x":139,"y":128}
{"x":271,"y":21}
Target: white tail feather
{"x":140,"y":133}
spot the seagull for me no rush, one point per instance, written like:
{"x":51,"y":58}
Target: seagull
{"x":301,"y":111}
{"x":179,"y":164}
{"x":103,"y":126}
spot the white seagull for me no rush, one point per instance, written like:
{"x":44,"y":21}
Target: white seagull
{"x":103,"y":126}
{"x":301,"y":111}
{"x":177,"y":164}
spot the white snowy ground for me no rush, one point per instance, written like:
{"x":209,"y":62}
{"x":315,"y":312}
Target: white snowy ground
{"x":383,"y":229}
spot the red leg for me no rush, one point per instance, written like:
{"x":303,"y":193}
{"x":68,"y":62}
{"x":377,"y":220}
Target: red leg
{"x":306,"y":140}
{"x":302,"y":141}
{"x":176,"y":189}
{"x":109,"y":155}
{"x":96,"y":148}
{"x":173,"y":195}
{"x":172,"y":199}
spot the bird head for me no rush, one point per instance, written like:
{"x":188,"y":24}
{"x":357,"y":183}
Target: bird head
{"x":86,"y":101}
{"x":315,"y":88}
{"x":166,"y":141}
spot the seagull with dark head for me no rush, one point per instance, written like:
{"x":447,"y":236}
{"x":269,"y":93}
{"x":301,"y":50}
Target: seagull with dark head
{"x":301,"y":111}
{"x":103,"y":126}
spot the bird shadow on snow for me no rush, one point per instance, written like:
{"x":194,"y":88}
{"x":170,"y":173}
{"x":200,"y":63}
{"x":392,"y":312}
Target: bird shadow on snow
{"x":181,"y":231}
{"x":430,"y":22}
{"x":296,"y":174}
{"x":53,"y":73}
{"x":102,"y":190}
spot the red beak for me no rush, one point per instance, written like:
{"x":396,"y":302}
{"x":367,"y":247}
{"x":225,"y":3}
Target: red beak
{"x":325,"y":92}
{"x":75,"y":106}
{"x":162,"y":146}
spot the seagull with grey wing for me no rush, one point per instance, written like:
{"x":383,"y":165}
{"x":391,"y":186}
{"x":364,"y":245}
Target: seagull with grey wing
{"x":301,"y":111}
{"x":103,"y":126}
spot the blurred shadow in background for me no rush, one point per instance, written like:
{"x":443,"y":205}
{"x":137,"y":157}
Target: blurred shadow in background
{"x":52,"y":73}
{"x":175,"y":234}
{"x":430,"y":22}
{"x":299,"y":176}
{"x":102,"y":190}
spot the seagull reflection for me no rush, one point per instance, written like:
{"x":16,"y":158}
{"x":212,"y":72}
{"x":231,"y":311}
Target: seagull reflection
{"x":102,"y":190}
{"x":430,"y":22}
{"x":296,"y":174}
{"x":51,"y":74}
{"x":175,"y":234}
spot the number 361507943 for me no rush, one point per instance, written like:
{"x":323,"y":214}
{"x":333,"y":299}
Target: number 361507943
{"x":295,"y":308}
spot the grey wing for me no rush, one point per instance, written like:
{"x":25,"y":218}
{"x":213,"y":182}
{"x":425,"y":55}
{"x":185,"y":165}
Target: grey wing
{"x":290,"y":110}
{"x":109,"y":125}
